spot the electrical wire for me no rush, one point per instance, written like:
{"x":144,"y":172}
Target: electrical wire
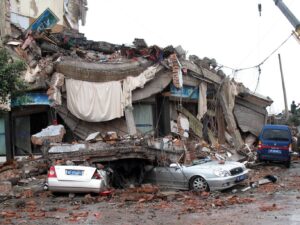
{"x":258,"y":66}
{"x":262,"y":62}
{"x":275,"y":50}
{"x":258,"y":79}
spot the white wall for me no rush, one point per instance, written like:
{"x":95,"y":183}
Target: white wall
{"x":33,"y":8}
{"x":2,"y":159}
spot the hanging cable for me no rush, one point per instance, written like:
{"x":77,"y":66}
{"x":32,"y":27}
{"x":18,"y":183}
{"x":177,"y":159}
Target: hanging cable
{"x":258,"y":78}
{"x":258,"y":66}
{"x":275,"y":50}
{"x":263,"y":61}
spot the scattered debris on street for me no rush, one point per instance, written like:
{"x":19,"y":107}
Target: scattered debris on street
{"x":130,"y":125}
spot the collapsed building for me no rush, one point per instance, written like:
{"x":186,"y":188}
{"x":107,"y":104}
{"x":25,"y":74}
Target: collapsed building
{"x":112,"y":103}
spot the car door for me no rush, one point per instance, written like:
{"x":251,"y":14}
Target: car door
{"x":172,"y":177}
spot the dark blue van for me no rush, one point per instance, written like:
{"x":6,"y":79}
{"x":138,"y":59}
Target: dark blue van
{"x":275,"y":144}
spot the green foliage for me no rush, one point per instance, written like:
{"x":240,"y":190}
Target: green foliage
{"x":10,"y":82}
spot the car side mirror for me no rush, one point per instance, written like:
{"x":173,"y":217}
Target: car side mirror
{"x":174,"y":165}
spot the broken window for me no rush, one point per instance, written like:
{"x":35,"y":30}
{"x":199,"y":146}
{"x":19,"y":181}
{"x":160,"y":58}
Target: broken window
{"x":22,"y":135}
{"x":143,"y":117}
{"x":23,"y":128}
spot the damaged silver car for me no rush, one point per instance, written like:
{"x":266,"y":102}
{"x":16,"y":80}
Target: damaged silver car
{"x":203,"y":175}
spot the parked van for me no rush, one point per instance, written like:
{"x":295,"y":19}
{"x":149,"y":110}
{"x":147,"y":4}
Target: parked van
{"x":275,"y":144}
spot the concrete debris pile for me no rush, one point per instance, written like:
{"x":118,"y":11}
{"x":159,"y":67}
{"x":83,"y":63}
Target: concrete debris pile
{"x":80,"y":209}
{"x":216,"y":152}
{"x":17,"y":177}
{"x":125,"y":102}
{"x":191,"y":201}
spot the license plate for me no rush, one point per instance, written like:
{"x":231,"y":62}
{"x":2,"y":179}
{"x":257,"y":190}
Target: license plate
{"x":275,"y":151}
{"x":74,"y":172}
{"x":240,"y":178}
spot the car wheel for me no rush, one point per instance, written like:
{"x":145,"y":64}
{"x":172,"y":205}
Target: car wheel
{"x":198,"y":184}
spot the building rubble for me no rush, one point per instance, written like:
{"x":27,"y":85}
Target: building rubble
{"x":116,"y":103}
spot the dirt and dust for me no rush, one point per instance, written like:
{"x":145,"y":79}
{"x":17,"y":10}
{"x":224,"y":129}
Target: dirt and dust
{"x":272,"y":203}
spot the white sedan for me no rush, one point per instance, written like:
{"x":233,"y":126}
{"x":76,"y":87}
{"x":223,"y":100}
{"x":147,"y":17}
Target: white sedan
{"x":77,"y":179}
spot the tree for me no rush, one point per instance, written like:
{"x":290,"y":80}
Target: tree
{"x":11,"y":84}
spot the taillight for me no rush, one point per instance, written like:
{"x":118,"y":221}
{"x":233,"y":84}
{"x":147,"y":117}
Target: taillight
{"x":96,"y":175}
{"x":259,"y":146}
{"x":52,"y":172}
{"x":290,"y":147}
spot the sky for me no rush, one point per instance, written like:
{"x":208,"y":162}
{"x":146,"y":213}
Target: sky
{"x":231,"y":31}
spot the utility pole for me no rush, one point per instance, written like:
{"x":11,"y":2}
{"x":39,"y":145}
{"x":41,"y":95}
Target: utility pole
{"x":286,"y":111}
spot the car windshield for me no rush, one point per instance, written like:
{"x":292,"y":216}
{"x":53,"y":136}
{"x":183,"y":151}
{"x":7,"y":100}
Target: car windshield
{"x":276,"y":135}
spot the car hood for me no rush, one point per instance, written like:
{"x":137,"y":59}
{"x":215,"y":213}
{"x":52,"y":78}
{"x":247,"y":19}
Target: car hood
{"x":227,"y":165}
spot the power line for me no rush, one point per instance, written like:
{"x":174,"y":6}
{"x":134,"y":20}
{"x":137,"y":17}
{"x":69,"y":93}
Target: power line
{"x":258,"y":78}
{"x":275,"y":50}
{"x":258,"y":66}
{"x":262,"y":62}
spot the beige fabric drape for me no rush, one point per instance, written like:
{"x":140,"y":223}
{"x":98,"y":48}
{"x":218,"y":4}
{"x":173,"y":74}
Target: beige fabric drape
{"x":94,"y":102}
{"x":131,"y":83}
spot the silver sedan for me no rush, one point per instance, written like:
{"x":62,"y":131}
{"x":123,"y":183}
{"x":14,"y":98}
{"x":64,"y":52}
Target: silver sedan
{"x":76,"y":179}
{"x":206,"y":175}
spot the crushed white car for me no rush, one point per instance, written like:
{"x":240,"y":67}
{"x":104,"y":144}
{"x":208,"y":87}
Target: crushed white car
{"x":76,"y":179}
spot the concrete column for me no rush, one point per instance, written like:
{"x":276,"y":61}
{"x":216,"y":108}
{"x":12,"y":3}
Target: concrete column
{"x":130,"y":120}
{"x":202,"y":101}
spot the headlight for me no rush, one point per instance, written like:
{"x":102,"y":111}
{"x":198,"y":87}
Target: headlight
{"x":221,"y":173}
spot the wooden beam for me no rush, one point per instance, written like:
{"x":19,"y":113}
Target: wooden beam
{"x":211,"y":137}
{"x":221,"y":125}
{"x":202,"y":72}
{"x":195,"y":125}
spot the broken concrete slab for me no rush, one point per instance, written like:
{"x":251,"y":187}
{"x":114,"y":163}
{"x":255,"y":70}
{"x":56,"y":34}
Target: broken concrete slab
{"x":95,"y":72}
{"x":227,"y":99}
{"x":53,"y":133}
{"x":92,"y":136}
{"x":250,"y":139}
{"x":266,"y":180}
{"x":67,"y":148}
{"x":30,"y":75}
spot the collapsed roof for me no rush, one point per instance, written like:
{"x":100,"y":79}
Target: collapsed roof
{"x":93,"y":85}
